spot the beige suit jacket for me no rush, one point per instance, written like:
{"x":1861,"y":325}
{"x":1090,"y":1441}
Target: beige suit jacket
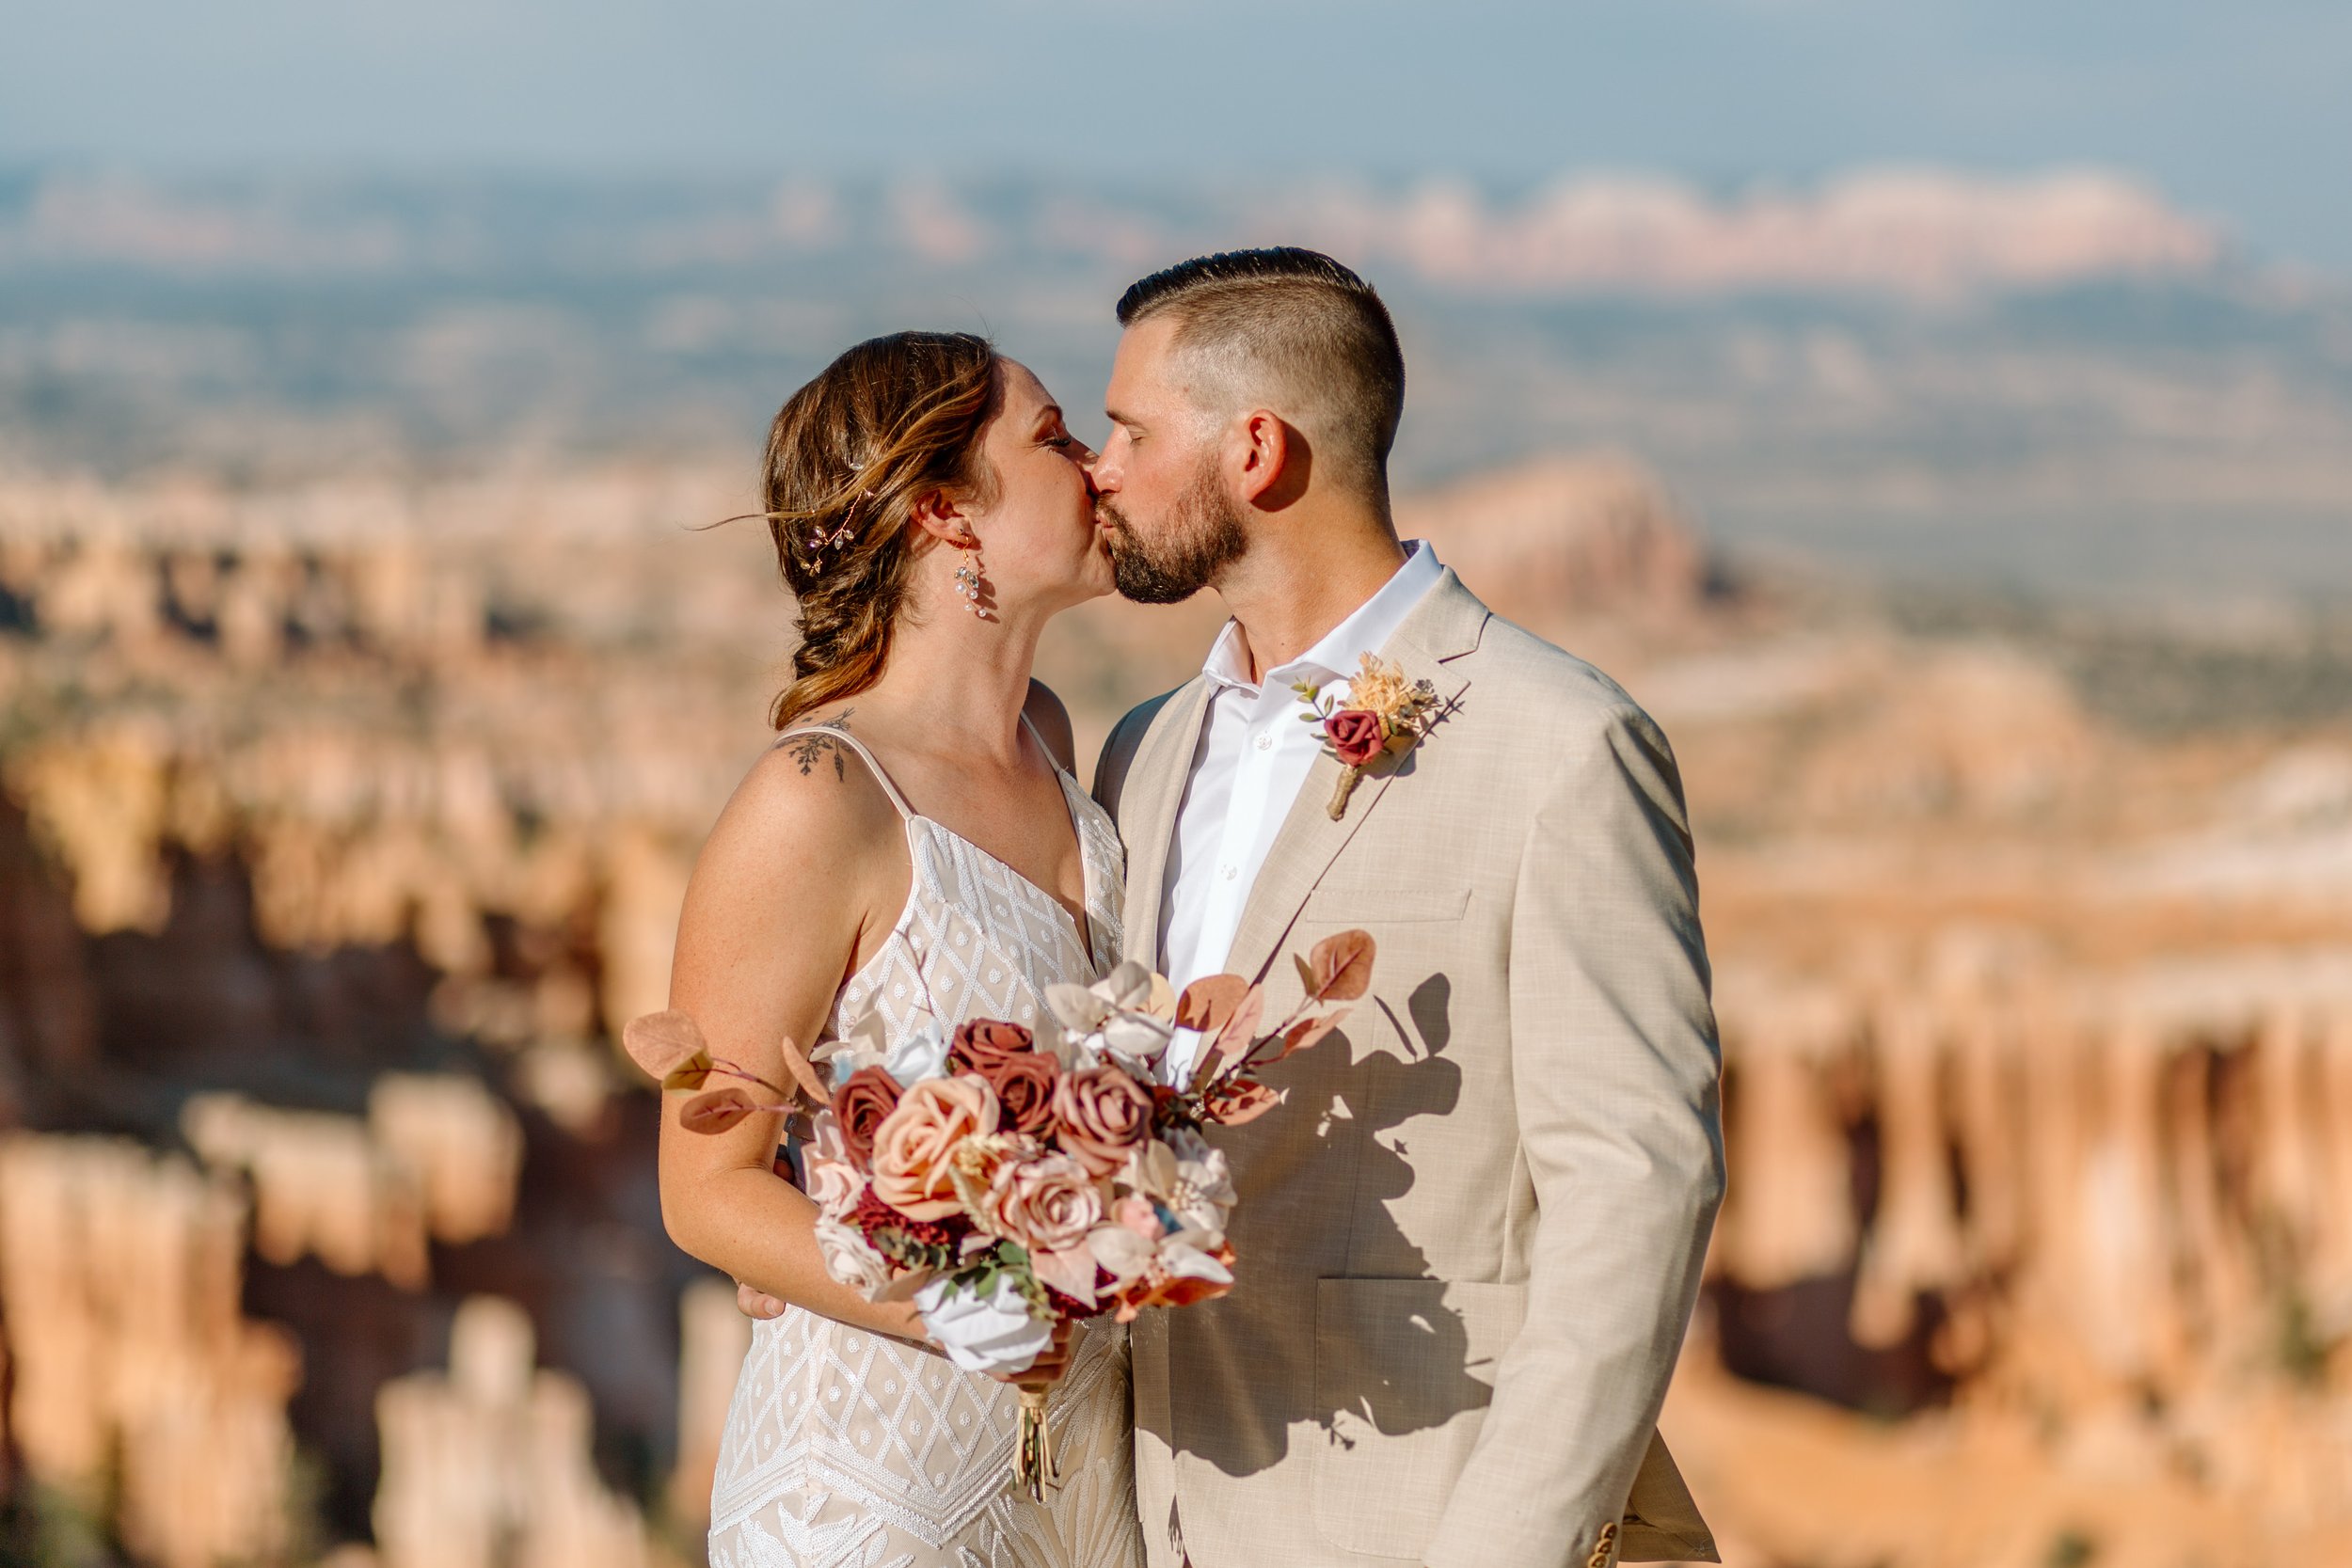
{"x":1470,"y":1240}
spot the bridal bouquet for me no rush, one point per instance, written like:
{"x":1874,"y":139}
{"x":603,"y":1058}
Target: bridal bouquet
{"x":1006,"y":1179}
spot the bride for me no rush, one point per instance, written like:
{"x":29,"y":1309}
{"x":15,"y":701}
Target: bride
{"x":913,"y":845}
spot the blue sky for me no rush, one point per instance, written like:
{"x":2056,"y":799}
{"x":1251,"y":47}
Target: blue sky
{"x":2240,"y":111}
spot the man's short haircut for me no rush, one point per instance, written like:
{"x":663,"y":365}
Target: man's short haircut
{"x":1297,"y":332}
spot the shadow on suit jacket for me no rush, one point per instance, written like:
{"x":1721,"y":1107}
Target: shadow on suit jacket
{"x":1470,"y":1239}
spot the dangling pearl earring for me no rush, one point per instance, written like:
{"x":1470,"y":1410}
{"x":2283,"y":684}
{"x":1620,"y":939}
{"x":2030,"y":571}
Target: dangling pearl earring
{"x":968,"y":578}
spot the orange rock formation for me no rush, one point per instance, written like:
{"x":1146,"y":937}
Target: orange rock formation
{"x":2038,"y":1032}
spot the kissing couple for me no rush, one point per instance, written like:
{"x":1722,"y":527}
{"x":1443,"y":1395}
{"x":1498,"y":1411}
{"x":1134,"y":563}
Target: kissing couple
{"x":1470,"y":1243}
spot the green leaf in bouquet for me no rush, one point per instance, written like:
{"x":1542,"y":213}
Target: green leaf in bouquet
{"x":691,"y":1073}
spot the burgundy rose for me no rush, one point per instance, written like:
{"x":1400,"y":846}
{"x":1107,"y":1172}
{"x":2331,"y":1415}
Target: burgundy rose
{"x":985,"y":1040}
{"x":861,"y":1104}
{"x":1025,"y":1091}
{"x":1357,"y":735}
{"x":1103,"y":1113}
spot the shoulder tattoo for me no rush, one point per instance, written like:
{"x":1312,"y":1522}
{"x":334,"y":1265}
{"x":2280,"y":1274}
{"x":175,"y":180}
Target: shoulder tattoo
{"x":807,"y":751}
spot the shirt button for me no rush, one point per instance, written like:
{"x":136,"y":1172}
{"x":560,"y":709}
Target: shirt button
{"x":1231,"y":872}
{"x":1265,"y":743}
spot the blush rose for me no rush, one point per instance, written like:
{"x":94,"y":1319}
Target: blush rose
{"x":914,"y":1145}
{"x":1103,"y":1115}
{"x":1047,"y":1204}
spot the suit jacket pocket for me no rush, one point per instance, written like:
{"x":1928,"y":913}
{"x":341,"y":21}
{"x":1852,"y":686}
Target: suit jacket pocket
{"x":1404,"y":1373}
{"x":1376,"y":906}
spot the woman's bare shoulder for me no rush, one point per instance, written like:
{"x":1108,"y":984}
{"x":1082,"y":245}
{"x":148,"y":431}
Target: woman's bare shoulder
{"x":808,"y":816}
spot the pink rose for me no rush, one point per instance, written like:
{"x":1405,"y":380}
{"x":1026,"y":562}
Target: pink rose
{"x":914,"y":1148}
{"x":1103,"y":1115}
{"x":834,"y":1185}
{"x":1357,"y":735}
{"x":1047,"y":1203}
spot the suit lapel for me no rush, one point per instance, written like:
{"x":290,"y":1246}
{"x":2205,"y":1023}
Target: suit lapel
{"x":1154,"y":792}
{"x":1443,"y":628}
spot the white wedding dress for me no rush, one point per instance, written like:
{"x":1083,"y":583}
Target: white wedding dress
{"x":845,"y":1450}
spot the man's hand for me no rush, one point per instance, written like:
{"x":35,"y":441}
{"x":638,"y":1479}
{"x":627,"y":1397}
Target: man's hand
{"x":753,"y":1303}
{"x":1051,"y":1363}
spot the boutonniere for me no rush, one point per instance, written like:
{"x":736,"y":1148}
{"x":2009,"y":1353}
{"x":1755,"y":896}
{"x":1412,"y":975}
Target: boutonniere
{"x":1386,"y":712}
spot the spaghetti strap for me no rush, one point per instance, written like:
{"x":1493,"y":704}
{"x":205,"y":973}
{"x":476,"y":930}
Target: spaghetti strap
{"x":835,"y":732}
{"x":1047,"y":750}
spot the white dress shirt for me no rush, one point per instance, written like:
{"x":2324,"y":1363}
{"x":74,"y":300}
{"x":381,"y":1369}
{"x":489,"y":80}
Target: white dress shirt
{"x":1251,"y":760}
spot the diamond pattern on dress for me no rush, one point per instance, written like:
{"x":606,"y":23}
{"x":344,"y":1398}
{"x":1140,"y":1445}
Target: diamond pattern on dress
{"x":844,"y":1449}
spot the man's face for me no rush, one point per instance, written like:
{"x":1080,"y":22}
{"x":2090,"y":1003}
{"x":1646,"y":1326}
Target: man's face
{"x":1171,"y":524}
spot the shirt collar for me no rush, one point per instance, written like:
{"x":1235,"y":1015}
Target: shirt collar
{"x":1342,"y":649}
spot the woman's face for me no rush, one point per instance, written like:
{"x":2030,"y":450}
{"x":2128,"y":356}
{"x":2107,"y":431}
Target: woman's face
{"x":1037,"y":539}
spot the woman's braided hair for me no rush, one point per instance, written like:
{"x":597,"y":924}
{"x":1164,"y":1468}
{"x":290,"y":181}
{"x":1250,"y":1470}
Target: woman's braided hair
{"x":889,"y":422}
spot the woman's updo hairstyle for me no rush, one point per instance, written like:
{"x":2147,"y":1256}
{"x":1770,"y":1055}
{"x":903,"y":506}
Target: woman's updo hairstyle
{"x":891,"y":421}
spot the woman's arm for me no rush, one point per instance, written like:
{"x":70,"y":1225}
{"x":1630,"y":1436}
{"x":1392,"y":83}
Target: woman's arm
{"x":803,"y":874}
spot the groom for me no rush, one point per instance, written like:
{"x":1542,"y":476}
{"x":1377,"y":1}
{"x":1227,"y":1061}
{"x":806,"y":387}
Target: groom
{"x":1472,"y":1239}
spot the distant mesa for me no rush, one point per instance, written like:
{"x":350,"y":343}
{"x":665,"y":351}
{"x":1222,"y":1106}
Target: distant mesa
{"x":1919,"y":232}
{"x":1564,"y":535}
{"x":1910,"y":232}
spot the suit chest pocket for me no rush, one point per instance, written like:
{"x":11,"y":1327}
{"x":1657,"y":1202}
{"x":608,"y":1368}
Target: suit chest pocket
{"x":1398,"y":903}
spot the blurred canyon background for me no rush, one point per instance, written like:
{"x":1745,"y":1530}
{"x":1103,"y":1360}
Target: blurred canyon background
{"x":367,"y":683}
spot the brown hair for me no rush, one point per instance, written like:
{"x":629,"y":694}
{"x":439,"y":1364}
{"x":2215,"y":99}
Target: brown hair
{"x":889,"y":422}
{"x":1296,"y":323}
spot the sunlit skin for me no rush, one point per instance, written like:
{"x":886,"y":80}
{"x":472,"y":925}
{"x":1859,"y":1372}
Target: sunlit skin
{"x":806,"y":872}
{"x":1317,"y":548}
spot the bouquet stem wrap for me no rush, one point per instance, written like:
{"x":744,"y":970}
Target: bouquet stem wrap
{"x":1033,"y":1458}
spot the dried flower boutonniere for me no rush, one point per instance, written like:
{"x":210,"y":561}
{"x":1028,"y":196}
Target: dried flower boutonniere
{"x":1385,"y":712}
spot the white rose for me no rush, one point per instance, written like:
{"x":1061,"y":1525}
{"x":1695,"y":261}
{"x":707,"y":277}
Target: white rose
{"x":995,"y":1335}
{"x":921,"y":1054}
{"x":850,"y":1259}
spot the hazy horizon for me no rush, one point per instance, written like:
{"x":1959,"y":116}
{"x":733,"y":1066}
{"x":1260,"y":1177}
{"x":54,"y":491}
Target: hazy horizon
{"x":2231,"y":115}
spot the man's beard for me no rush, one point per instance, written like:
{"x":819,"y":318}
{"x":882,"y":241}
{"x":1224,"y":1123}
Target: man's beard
{"x":1205,"y":537}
